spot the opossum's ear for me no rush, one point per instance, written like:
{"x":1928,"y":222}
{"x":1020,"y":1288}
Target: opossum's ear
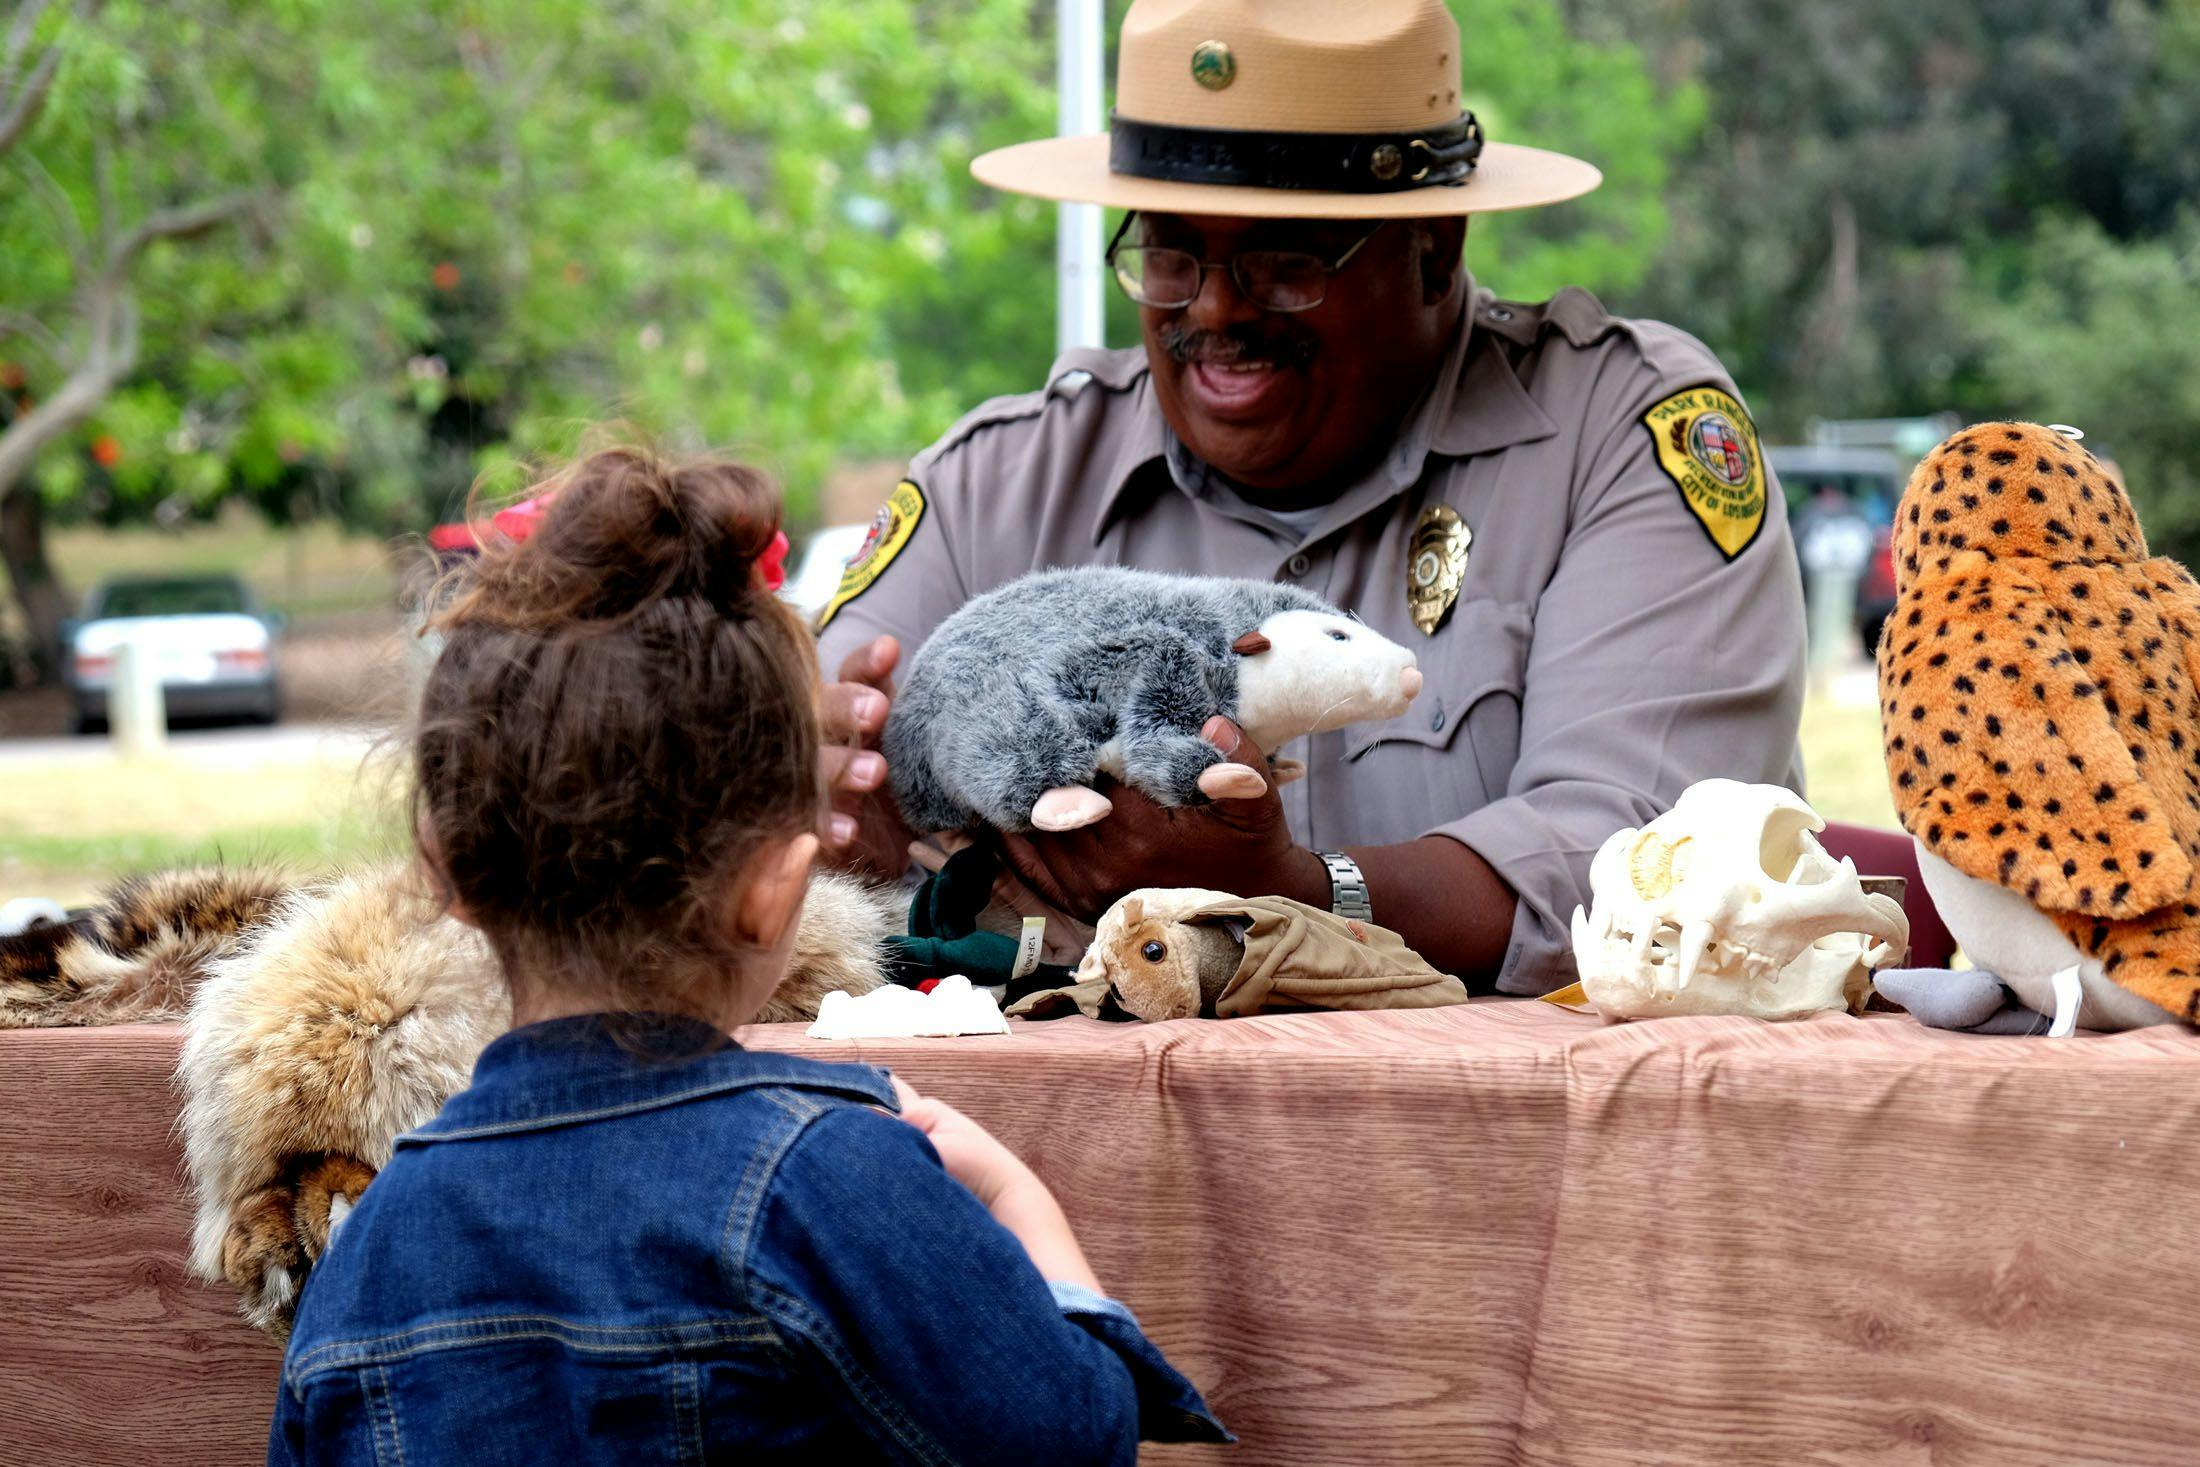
{"x":1252,"y":644}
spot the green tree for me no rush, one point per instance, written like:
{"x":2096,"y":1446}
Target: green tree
{"x":468,"y":227}
{"x":113,"y":169}
{"x":1530,"y":79}
{"x":1865,"y":165}
{"x":2106,"y":336}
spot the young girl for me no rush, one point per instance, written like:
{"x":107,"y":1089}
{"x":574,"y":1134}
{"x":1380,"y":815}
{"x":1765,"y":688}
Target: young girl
{"x":630,"y":1240}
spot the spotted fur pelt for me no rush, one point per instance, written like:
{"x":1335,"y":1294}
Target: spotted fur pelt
{"x":322,"y":1020}
{"x":136,"y":956}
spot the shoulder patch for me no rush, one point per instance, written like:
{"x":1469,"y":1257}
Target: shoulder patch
{"x":1708,"y":448}
{"x":891,"y":528}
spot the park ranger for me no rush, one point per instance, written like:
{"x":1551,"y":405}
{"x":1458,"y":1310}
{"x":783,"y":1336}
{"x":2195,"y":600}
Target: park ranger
{"x":1565,"y":514}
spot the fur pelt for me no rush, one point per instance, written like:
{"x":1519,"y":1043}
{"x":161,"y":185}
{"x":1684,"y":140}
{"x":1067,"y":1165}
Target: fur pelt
{"x":135,"y":956}
{"x":350,"y":1018}
{"x":320,"y":1021}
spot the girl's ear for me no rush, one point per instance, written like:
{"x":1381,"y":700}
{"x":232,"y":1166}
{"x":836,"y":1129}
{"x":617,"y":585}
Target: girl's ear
{"x":771,"y":891}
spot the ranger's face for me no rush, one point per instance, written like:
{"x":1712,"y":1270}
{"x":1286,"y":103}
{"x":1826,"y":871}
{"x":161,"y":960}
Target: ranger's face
{"x":1299,"y":402}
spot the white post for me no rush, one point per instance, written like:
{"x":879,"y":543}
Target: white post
{"x":136,"y":715}
{"x":1080,"y":45}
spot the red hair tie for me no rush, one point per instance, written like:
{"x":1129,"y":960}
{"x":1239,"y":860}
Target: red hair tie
{"x":517,"y":522}
{"x":771,"y":566}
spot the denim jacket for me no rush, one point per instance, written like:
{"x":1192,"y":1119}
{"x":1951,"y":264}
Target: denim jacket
{"x":591,"y":1255}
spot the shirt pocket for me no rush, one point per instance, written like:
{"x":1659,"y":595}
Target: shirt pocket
{"x":1474,"y":673}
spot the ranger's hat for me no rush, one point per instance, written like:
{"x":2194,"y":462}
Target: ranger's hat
{"x":1310,"y":109}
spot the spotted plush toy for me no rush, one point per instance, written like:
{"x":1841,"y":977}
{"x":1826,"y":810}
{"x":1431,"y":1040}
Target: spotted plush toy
{"x":2040,"y":699}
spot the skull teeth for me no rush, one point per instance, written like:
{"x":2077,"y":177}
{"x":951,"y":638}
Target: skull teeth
{"x":1718,"y":953}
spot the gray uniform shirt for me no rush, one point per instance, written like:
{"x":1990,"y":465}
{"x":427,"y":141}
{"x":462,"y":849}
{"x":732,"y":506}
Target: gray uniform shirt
{"x":1605,"y":651}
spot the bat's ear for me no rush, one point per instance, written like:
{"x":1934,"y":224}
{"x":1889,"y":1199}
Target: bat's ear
{"x":1252,"y":644}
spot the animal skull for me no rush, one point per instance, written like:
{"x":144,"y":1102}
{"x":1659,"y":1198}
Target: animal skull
{"x":1727,"y":904}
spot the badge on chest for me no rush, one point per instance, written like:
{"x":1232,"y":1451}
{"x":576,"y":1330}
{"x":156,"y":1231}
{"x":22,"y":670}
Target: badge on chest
{"x":1436,"y":566}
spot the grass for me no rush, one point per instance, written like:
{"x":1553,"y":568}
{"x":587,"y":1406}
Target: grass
{"x":1845,"y":773}
{"x":66,"y":830}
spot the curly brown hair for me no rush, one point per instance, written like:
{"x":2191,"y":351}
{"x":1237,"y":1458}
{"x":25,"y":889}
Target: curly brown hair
{"x":620,"y":715}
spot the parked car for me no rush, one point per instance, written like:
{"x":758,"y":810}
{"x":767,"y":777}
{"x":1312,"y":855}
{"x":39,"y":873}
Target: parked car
{"x":213,"y":644}
{"x":1871,"y":480}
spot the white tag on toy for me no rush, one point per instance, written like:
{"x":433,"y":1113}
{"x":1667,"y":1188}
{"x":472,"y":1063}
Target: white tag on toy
{"x":1028,"y":948}
{"x":2069,"y":995}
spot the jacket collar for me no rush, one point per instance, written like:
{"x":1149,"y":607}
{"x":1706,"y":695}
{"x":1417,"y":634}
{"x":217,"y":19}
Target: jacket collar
{"x":1476,"y":405}
{"x":566,"y":1071}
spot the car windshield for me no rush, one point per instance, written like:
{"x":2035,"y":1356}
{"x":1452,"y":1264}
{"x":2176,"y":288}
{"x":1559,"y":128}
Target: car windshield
{"x":171,"y":598}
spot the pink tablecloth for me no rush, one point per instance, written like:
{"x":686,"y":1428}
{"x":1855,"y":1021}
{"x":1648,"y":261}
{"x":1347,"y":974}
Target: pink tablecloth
{"x":1502,"y":1233}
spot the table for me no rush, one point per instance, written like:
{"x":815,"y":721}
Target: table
{"x":1499,"y":1233}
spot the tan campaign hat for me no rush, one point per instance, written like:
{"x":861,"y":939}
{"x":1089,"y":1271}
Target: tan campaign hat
{"x":1311,"y":109}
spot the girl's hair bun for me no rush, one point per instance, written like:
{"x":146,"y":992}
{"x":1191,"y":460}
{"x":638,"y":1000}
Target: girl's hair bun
{"x":624,"y":530}
{"x":621,"y":712}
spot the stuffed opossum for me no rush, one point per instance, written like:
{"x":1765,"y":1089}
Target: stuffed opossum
{"x":1027,"y":694}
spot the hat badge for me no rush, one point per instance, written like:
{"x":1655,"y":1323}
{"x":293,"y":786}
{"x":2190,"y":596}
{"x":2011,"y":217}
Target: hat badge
{"x":1213,"y":67}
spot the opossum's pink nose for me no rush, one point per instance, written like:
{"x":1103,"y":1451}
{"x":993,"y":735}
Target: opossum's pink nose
{"x":1409,"y":682}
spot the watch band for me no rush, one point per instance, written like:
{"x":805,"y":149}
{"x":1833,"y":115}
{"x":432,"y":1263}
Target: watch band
{"x":1347,"y":887}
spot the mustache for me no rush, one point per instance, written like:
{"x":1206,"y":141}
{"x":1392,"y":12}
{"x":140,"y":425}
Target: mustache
{"x":1235,"y":344}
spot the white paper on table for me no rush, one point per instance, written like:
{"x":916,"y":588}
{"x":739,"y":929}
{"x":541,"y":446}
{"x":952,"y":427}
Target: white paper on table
{"x":953,"y":1007}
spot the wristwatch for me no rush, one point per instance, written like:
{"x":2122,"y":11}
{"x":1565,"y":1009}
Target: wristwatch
{"x":1347,"y":887}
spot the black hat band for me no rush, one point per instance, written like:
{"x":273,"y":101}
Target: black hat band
{"x":1327,"y":162}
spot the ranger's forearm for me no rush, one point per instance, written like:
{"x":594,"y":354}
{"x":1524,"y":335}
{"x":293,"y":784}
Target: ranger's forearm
{"x":1448,"y":903}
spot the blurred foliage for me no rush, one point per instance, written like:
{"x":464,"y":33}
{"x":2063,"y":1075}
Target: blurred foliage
{"x":2082,"y":328}
{"x":749,"y":224}
{"x":1897,"y":209}
{"x":743,"y":223}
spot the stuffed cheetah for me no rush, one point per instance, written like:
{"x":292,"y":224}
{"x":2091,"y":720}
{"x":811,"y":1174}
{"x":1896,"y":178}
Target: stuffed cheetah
{"x":2039,"y":687}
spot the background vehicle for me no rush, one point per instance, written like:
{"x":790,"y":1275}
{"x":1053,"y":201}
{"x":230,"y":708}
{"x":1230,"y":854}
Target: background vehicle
{"x":213,"y":644}
{"x":1869,"y":481}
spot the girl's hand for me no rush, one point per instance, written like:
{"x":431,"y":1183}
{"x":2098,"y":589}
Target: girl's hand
{"x":969,"y":1151}
{"x":998,"y":1178}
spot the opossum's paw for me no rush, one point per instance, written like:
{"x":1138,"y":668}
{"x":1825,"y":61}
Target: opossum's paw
{"x":1232,"y":782}
{"x":1070,"y":807}
{"x":281,"y":1229}
{"x":1284,"y":771}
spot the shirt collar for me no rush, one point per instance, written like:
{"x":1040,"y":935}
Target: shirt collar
{"x":1475,"y":405}
{"x":1489,"y":408}
{"x":566,"y":1071}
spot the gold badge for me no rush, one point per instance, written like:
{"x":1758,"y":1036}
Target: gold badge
{"x":1436,"y":565}
{"x":1708,"y":447}
{"x":891,"y":528}
{"x":1213,"y":67}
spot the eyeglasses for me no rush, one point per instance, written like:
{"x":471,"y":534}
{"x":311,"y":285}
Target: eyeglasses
{"x":1274,"y":280}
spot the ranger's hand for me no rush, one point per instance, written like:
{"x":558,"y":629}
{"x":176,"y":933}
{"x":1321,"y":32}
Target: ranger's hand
{"x":863,"y":828}
{"x":1238,"y":845}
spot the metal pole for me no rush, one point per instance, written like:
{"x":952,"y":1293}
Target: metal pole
{"x":1080,"y":44}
